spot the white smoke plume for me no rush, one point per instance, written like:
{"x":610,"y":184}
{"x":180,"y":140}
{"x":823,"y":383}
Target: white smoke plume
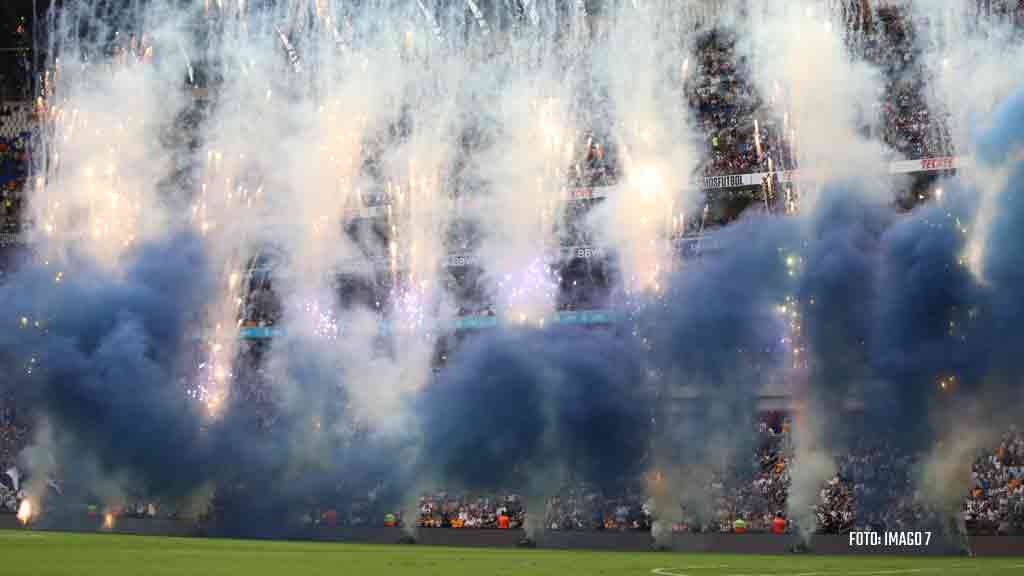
{"x":645,"y":56}
{"x":824,"y":97}
{"x":523,"y":173}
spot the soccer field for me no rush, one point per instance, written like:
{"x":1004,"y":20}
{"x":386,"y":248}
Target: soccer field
{"x":50,"y":553}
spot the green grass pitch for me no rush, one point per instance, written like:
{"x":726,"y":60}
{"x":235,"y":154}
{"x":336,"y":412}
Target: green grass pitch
{"x":38,"y":553}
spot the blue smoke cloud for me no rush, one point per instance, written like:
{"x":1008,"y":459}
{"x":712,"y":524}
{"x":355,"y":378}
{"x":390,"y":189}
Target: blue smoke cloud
{"x":929,"y":316}
{"x":483,"y":419}
{"x":838,"y":288}
{"x":103,"y":362}
{"x":515,"y":401}
{"x":717,"y":330}
{"x":1003,"y":262}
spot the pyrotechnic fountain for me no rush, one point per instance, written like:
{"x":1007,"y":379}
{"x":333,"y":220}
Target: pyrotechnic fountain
{"x":25,"y":512}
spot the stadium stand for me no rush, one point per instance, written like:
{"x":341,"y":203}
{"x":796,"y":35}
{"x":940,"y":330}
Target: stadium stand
{"x":726,"y":108}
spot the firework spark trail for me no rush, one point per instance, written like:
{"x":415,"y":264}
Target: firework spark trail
{"x":300,"y":150}
{"x":523,"y":175}
{"x":825,"y":99}
{"x":99,"y":193}
{"x":417,"y":170}
{"x":655,"y":144}
{"x":222,"y":212}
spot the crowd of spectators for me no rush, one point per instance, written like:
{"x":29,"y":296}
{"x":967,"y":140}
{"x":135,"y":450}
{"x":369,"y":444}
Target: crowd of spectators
{"x":15,"y":140}
{"x":995,"y":503}
{"x":753,"y":497}
{"x":873,"y":489}
{"x":726,"y":106}
{"x":909,"y":125}
{"x":1011,"y":11}
{"x":443,"y":509}
{"x":751,"y":491}
{"x":583,"y":506}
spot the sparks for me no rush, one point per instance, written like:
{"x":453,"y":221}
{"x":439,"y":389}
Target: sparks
{"x":25,"y":512}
